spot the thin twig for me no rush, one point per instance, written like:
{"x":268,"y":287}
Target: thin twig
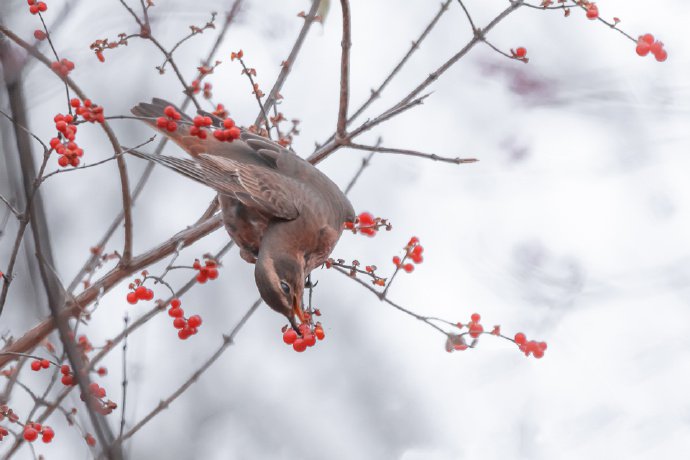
{"x":430,"y":156}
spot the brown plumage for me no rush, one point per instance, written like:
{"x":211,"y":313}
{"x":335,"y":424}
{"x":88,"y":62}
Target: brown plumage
{"x":284,"y":214}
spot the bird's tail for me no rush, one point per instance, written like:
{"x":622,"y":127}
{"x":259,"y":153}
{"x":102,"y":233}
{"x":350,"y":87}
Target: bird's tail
{"x":188,"y":168}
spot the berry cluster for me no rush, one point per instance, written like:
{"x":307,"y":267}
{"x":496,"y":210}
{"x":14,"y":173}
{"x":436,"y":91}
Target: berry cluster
{"x":306,"y":338}
{"x":186,"y":327}
{"x":169,"y":121}
{"x":367,"y":224}
{"x":64,"y":144}
{"x":230,"y":133}
{"x":413,"y":252}
{"x":38,"y":364}
{"x":67,"y":376}
{"x":532,"y":347}
{"x":138,"y":293}
{"x":88,"y":111}
{"x":32,"y":430}
{"x":62,"y":67}
{"x":37,"y":7}
{"x":199,"y":124}
{"x":646,"y":43}
{"x":6,"y":412}
{"x":209,"y":271}
{"x":354,"y":269}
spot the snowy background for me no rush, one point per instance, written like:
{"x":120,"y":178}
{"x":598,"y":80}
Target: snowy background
{"x":573,"y":228}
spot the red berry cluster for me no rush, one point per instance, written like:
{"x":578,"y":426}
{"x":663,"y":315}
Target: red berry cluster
{"x":196,"y":89}
{"x":32,"y":430}
{"x":62,"y":67}
{"x":306,"y":338}
{"x":169,"y":121}
{"x":37,"y":7}
{"x":95,"y":399}
{"x":186,"y":327}
{"x":97,"y":390}
{"x":474,"y":327}
{"x":138,"y":293}
{"x":413,"y":251}
{"x":209,"y":271}
{"x":532,"y":347}
{"x":646,"y":43}
{"x":64,"y":144}
{"x":89,"y":111}
{"x":67,"y":376}
{"x":199,"y":124}
{"x":38,"y":364}
{"x":230,"y":133}
{"x":592,"y":11}
{"x":367,"y":224}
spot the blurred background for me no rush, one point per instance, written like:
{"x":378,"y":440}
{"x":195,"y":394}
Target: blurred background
{"x":571,"y":228}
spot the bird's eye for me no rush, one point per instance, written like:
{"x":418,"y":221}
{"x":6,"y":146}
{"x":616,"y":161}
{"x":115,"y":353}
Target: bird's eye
{"x":285,"y":287}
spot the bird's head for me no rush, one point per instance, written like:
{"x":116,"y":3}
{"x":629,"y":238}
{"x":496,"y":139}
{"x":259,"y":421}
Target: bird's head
{"x":280,"y":280}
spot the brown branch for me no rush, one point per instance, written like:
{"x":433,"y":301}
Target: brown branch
{"x":430,"y":156}
{"x":143,"y":180}
{"x":228,"y":340}
{"x":190,"y":235}
{"x":122,"y":166}
{"x":346,"y":44}
{"x":375,"y":94}
{"x":365,"y":163}
{"x":287,"y":65}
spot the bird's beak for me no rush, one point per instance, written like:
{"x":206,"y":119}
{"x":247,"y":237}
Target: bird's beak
{"x":297,"y":308}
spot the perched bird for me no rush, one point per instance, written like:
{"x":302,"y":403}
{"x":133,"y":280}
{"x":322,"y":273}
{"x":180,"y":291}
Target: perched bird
{"x":285,"y":215}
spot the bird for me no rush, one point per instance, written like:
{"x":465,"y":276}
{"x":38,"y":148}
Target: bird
{"x":284,"y":214}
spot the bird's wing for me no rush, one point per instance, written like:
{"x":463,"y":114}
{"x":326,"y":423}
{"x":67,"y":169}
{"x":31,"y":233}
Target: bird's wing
{"x":257,"y":187}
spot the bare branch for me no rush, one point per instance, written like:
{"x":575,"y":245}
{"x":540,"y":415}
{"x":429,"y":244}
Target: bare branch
{"x":346,"y":44}
{"x":430,"y":156}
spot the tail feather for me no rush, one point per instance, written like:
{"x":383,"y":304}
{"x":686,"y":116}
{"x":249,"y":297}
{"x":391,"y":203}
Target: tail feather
{"x":188,"y":168}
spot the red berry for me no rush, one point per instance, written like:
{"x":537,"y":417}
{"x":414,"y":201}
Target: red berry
{"x":299,"y":345}
{"x":642,"y":48}
{"x":476,"y":330}
{"x":48,"y":434}
{"x":521,"y":52}
{"x":310,"y":340}
{"x":179,"y":323}
{"x":36,"y":365}
{"x":45,"y":364}
{"x":194,"y":321}
{"x":65,"y":369}
{"x":289,"y":336}
{"x":592,"y":11}
{"x":176,"y":312}
{"x":648,"y":38}
{"x":661,"y":56}
{"x":476,"y":318}
{"x":90,"y":440}
{"x":162,"y":122}
{"x":175,"y":303}
{"x":140,"y":292}
{"x":396,"y":260}
{"x":30,"y":434}
{"x":520,"y":338}
{"x":318,"y":332}
{"x":39,"y":35}
{"x":132,"y":298}
{"x":408,"y":268}
{"x":185,"y":333}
